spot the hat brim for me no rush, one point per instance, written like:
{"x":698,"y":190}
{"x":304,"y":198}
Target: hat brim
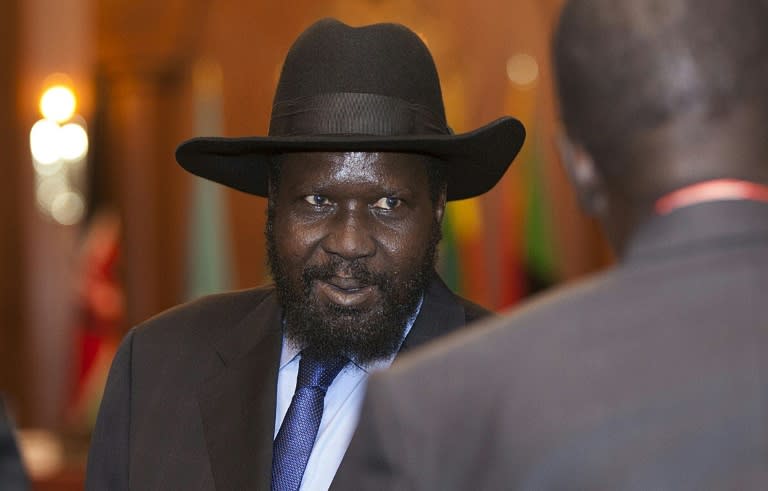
{"x":475,"y":161}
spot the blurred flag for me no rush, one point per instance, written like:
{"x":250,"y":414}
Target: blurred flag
{"x":208,"y":245}
{"x":463,"y":239}
{"x":100,"y":317}
{"x":208,"y":249}
{"x":538,"y":236}
{"x":499,"y":248}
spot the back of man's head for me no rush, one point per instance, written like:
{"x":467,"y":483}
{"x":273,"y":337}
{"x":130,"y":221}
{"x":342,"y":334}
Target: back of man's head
{"x":657,"y":80}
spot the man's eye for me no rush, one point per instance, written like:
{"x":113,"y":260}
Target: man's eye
{"x":316,"y":200}
{"x":387,"y":203}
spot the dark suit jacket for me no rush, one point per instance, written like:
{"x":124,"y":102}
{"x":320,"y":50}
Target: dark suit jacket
{"x":191,"y":395}
{"x":12,"y":474}
{"x":653,"y":376}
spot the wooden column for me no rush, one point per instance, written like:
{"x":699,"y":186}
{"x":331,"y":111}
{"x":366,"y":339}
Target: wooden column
{"x":55,"y":37}
{"x":146,"y":51}
{"x":12,"y":346}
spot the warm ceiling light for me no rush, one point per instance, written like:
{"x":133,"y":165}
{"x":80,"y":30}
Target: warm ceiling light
{"x":58,"y":103}
{"x":73,"y":142}
{"x":44,"y":141}
{"x":522,"y":69}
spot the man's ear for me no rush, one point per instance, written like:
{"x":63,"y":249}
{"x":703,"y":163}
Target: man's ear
{"x":440,"y":205}
{"x":584,"y":175}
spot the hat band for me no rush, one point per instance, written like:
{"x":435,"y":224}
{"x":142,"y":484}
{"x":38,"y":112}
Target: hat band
{"x":351,"y":113}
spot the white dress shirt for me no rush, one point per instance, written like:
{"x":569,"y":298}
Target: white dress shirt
{"x":341,"y":411}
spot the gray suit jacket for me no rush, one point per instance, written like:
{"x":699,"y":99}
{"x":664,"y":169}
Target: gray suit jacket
{"x":190,"y":400}
{"x":652,"y":376}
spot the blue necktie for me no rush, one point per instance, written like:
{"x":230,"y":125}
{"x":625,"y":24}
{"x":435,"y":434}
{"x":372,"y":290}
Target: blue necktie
{"x":297,"y":434}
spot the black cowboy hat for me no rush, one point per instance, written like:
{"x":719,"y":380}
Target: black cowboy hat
{"x":345,"y":89}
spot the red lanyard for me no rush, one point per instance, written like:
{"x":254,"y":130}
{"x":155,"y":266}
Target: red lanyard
{"x":715,"y":190}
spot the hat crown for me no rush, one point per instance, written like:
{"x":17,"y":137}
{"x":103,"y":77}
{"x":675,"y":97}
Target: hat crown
{"x":359,"y":89}
{"x":388,"y":61}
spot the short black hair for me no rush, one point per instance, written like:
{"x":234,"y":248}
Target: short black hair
{"x":627,"y":66}
{"x":436,"y":173}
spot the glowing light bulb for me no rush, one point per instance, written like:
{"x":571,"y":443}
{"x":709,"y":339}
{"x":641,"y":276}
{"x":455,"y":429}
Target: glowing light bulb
{"x":58,"y":103}
{"x":73,"y":142}
{"x":44,"y":140}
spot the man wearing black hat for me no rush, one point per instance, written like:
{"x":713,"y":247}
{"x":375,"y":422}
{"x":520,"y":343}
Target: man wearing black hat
{"x":651,"y":376}
{"x":240,"y":390}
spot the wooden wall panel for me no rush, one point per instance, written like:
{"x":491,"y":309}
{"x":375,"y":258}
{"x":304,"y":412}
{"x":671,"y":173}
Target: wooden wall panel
{"x":146,"y":49}
{"x":12,"y":345}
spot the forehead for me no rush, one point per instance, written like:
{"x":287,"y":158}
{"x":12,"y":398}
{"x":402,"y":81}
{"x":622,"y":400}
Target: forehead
{"x":370,"y":169}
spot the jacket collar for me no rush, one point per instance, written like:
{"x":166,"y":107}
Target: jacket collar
{"x":440,"y":314}
{"x":700,"y":227}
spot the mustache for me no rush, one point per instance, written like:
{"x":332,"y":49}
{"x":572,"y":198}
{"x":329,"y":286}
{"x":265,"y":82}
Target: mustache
{"x":342,"y":267}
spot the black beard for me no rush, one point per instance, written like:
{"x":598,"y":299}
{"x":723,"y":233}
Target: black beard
{"x":363,"y":335}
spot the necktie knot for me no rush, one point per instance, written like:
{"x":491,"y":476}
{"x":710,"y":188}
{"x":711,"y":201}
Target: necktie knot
{"x":318,"y":373}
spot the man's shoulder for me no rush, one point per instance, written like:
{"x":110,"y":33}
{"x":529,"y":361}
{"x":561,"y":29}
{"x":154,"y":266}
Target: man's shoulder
{"x":602,"y":313}
{"x":513,"y":349}
{"x":12,"y":473}
{"x":496,"y":337}
{"x":472,"y":311}
{"x":206,"y":316}
{"x":440,"y":293}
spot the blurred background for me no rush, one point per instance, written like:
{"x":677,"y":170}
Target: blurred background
{"x":100,"y":228}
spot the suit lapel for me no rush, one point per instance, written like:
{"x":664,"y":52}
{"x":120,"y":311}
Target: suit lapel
{"x":237,"y":403}
{"x":440,"y":314}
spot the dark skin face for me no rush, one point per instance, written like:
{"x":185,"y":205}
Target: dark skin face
{"x":360,"y":220}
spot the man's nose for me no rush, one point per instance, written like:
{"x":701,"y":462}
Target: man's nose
{"x":350,"y":235}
